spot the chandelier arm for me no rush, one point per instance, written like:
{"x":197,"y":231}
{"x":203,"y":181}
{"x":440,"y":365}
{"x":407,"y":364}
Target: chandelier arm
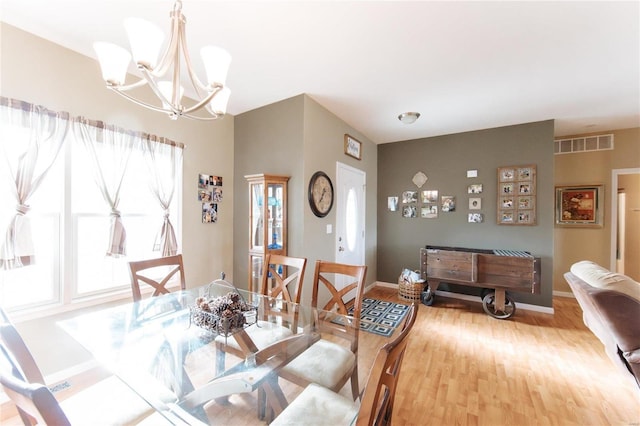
{"x":195,"y":81}
{"x":124,"y":88}
{"x":141,"y":103}
{"x":204,"y":101}
{"x":171,"y":53}
{"x":146,"y":73}
{"x":195,"y":117}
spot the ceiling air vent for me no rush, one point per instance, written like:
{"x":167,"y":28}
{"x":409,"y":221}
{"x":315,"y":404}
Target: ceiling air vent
{"x":584,"y":144}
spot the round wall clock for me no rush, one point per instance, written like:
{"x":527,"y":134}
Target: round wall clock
{"x":320,"y":194}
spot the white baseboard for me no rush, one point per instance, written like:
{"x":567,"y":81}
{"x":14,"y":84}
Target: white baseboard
{"x":525,"y":306}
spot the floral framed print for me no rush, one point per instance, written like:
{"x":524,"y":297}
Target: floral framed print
{"x":579,"y":206}
{"x":517,"y":195}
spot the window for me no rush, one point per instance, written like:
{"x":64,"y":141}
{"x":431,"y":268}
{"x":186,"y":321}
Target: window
{"x":70,"y":223}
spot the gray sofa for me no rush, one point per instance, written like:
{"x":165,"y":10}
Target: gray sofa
{"x":610,"y":304}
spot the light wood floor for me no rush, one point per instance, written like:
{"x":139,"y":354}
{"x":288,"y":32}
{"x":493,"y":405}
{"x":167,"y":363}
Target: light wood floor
{"x":463,"y":367}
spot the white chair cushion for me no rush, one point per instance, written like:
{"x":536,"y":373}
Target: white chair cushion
{"x":108,"y":402}
{"x":318,"y":406}
{"x":312,"y":364}
{"x":597,"y":276}
{"x":262,"y":334}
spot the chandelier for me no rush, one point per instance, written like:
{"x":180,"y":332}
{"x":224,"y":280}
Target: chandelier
{"x":162,"y":73}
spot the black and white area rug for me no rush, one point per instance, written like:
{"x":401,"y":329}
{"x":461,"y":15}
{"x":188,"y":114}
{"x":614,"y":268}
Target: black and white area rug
{"x":380,"y":316}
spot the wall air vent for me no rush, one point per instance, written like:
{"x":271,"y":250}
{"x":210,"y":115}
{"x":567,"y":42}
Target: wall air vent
{"x":584,"y":144}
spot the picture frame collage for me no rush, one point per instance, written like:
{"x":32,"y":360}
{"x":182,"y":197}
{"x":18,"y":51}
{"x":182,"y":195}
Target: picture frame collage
{"x":516,"y":201}
{"x":475,"y":203}
{"x":425,"y":204}
{"x":210,"y":195}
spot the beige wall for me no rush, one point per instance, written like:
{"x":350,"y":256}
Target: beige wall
{"x":324,"y":147}
{"x":297,"y":137}
{"x":40,"y":72}
{"x":574,"y":244}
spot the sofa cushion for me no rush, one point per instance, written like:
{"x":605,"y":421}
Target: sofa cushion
{"x":599,"y":277}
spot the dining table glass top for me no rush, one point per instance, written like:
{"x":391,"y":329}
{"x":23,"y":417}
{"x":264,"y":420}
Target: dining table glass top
{"x":171,"y":350}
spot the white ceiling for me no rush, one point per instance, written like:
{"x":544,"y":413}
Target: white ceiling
{"x":463,"y":65}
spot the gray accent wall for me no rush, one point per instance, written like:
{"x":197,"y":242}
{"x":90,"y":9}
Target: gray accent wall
{"x":445,"y":160}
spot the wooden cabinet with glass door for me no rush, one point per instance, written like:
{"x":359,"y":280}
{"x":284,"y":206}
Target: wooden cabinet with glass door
{"x":267,"y":221}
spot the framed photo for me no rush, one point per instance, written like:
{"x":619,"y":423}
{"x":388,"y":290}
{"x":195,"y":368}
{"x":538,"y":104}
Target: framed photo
{"x":392,"y":204}
{"x":352,"y":147}
{"x":429,"y":211}
{"x":517,"y":195}
{"x":409,"y":197}
{"x":475,"y":218}
{"x":409,"y":211}
{"x":507,"y":188}
{"x":506,"y":174}
{"x":579,"y":205}
{"x":475,"y":203}
{"x":448,"y":203}
{"x":429,"y":196}
{"x":475,"y":188}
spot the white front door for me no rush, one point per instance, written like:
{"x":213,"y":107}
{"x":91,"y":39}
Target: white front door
{"x":350,"y":216}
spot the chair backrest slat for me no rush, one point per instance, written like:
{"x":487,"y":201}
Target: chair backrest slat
{"x":377,"y":399}
{"x":282,"y":276}
{"x":140,"y":269}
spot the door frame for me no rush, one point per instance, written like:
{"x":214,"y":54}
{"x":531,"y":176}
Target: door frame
{"x":614,"y":212}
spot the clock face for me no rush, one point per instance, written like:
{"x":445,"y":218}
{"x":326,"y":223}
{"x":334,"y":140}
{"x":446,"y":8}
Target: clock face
{"x":320,"y":194}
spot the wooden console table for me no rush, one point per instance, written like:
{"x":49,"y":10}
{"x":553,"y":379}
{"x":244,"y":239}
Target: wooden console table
{"x":495,"y":271}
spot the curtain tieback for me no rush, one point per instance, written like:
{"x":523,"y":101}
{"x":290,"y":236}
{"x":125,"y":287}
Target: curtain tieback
{"x":166,"y":215}
{"x":115,"y":212}
{"x":22,"y":209}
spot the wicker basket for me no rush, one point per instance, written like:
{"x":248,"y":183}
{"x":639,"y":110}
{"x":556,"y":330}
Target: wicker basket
{"x":223,"y":326}
{"x":410,"y":290}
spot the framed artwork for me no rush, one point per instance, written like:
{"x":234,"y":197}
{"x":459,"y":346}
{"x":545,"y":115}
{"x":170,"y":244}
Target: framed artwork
{"x":579,"y":206}
{"x":352,"y":147}
{"x":516,"y":195}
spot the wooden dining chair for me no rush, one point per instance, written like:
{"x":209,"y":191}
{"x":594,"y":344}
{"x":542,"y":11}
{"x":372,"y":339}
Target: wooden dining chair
{"x":318,"y":405}
{"x":109,"y":400}
{"x":35,"y":402}
{"x":282,"y":279}
{"x":157,"y":273}
{"x":312,"y":366}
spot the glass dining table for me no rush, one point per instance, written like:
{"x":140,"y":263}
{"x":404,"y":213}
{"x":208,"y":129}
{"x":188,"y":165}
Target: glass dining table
{"x":170,"y":350}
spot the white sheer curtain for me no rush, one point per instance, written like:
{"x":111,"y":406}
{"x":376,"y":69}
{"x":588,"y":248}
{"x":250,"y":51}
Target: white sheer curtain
{"x":31,"y":138}
{"x":110,"y":149}
{"x":163,"y":157}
